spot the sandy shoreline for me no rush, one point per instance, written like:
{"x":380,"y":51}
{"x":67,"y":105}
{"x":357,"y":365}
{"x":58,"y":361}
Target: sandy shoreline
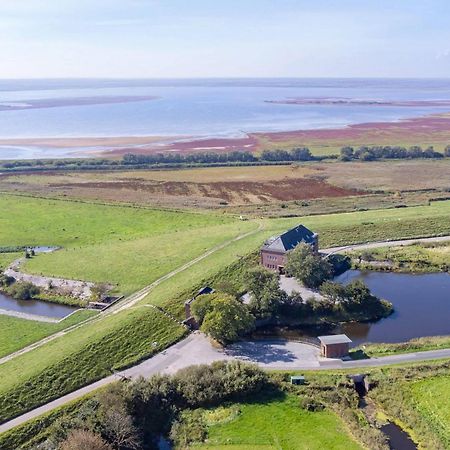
{"x":67,"y":101}
{"x":427,"y":130}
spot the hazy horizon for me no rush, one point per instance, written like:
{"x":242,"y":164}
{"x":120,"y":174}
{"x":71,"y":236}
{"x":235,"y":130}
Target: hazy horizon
{"x":154,"y":39}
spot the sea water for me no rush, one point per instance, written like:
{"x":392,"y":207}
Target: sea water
{"x":200,"y":108}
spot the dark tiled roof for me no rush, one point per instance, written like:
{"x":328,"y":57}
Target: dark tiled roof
{"x":289,"y":240}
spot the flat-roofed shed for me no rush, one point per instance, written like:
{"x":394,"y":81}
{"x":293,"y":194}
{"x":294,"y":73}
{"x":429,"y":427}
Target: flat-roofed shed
{"x":335,"y":345}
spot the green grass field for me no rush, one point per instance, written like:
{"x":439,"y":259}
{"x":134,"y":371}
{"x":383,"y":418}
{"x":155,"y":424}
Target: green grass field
{"x":122,"y":339}
{"x":124,"y":246}
{"x":17,"y":333}
{"x":8,"y":258}
{"x":279,"y":424}
{"x":415,"y":258}
{"x":432,"y":399}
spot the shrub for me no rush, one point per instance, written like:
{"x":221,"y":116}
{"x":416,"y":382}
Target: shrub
{"x":23,"y":291}
{"x":86,"y":440}
{"x":311,"y":404}
{"x":189,"y":428}
{"x":205,"y":385}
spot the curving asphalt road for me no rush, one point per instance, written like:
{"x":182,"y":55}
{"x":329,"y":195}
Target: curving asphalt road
{"x":197,"y":349}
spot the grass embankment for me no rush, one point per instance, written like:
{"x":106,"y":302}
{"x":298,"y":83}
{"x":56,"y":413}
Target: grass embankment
{"x":277,"y":423}
{"x":414,"y":345}
{"x":431,"y":257}
{"x":122,"y":339}
{"x":18,"y":333}
{"x":417,"y":398}
{"x":127,"y":247}
{"x":433,"y":403}
{"x":82,"y":356}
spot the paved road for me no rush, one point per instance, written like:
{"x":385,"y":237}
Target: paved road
{"x":196,"y":349}
{"x":369,"y":245}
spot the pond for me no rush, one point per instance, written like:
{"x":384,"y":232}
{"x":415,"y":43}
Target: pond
{"x":421,"y":303}
{"x":35,"y":307}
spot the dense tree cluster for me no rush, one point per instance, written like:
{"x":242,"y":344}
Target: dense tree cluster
{"x":307,"y":266}
{"x":354,"y":297}
{"x":190,"y":158}
{"x":296,"y":154}
{"x":339,"y":303}
{"x":265,"y":293}
{"x":133,"y":415}
{"x":365,"y":153}
{"x":222,"y":317}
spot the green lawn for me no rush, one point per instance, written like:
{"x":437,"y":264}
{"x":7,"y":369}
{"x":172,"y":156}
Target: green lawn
{"x":431,"y":257}
{"x":128,"y":247}
{"x":432,"y":398}
{"x":17,"y":333}
{"x":279,"y":424}
{"x":121,"y":339}
{"x":7,"y":258}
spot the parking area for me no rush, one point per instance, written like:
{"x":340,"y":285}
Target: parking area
{"x":290,"y":285}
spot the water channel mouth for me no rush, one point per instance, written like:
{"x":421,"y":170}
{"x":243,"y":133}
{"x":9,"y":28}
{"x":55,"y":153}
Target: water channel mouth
{"x":398,"y":439}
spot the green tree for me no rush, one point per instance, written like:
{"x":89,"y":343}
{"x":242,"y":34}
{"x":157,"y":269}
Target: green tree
{"x":202,"y":305}
{"x":308,"y":267}
{"x":227,"y":319}
{"x":336,"y":292}
{"x":266,"y":295}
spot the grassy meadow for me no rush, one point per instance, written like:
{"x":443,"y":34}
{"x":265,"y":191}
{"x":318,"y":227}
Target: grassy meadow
{"x":432,"y":257}
{"x":7,"y":258}
{"x":117,"y":340}
{"x":17,"y":333}
{"x":301,"y":189}
{"x":431,"y":399}
{"x":126,"y":247}
{"x":275,"y":424}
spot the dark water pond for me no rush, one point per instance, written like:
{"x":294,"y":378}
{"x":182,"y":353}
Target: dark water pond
{"x":421,"y":302}
{"x":35,"y":307}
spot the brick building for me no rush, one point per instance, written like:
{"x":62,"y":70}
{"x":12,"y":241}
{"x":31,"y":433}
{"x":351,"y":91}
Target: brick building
{"x":273,"y":252}
{"x":334,"y":346}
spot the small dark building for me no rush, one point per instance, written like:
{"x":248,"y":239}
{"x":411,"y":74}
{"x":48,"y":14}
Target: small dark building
{"x":273,"y":252}
{"x":334,"y":346}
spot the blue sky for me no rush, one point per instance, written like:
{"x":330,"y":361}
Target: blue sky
{"x":224,"y":38}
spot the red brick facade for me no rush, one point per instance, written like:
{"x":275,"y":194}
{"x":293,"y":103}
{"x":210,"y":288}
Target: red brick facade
{"x":334,"y":350}
{"x":273,"y":260}
{"x":273,"y":252}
